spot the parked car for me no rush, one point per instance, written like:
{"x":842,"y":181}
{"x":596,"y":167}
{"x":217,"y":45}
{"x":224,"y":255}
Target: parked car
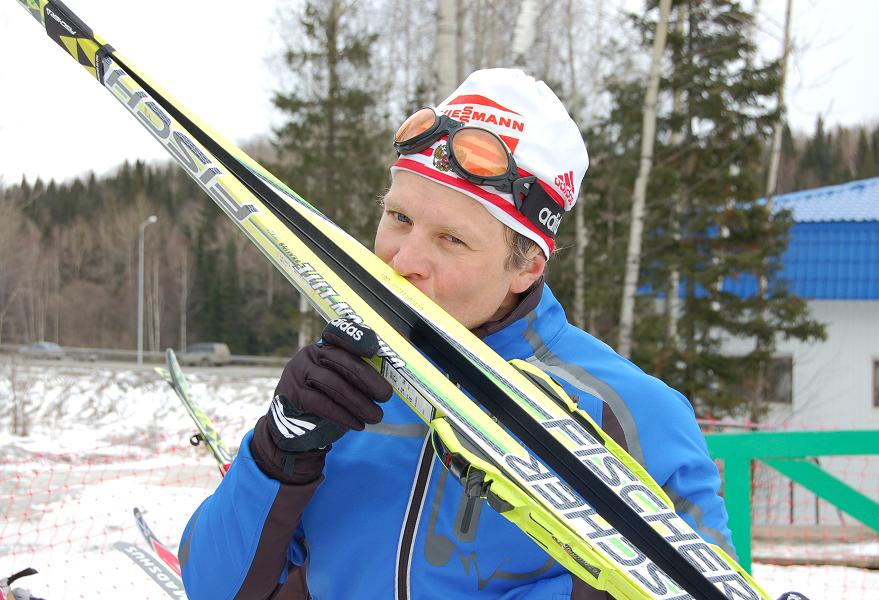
{"x":43,"y":350}
{"x":206,"y":354}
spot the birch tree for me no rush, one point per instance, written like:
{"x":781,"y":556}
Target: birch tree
{"x":761,"y":385}
{"x":775,"y":155}
{"x":672,"y":302}
{"x":579,"y":221}
{"x":648,"y":136}
{"x":446,"y":47}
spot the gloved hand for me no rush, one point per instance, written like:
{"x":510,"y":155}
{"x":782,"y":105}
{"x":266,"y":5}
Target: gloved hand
{"x":792,"y":596}
{"x":325,"y":390}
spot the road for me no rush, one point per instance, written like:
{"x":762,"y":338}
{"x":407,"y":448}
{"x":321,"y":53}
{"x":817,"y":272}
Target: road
{"x":71,"y":366}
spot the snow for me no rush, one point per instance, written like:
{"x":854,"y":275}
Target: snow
{"x":102,"y":440}
{"x":818,"y":582}
{"x":105,"y":438}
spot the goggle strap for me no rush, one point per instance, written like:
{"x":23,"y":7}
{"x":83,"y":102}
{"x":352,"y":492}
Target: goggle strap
{"x":540,"y":208}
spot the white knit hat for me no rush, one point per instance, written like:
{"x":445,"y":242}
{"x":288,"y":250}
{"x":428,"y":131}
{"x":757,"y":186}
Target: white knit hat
{"x":536,"y":128}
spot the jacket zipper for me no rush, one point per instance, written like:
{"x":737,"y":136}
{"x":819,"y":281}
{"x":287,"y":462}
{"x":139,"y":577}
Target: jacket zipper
{"x":412,"y":518}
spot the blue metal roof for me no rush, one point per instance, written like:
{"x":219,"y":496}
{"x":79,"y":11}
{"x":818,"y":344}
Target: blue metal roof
{"x":852,"y":201}
{"x":833,"y":253}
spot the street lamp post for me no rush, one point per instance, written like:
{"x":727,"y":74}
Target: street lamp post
{"x":152,"y":219}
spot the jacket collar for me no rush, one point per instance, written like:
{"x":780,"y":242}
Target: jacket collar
{"x":528,"y":302}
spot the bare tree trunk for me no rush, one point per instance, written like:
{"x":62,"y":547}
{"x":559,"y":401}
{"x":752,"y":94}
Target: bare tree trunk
{"x":648,"y":135}
{"x":478,"y":8}
{"x":184,"y":296}
{"x":775,"y":157}
{"x":580,"y":238}
{"x":305,"y":337}
{"x":38,"y":301}
{"x":755,"y":11}
{"x":19,"y":385}
{"x":672,"y":302}
{"x":44,"y":303}
{"x":270,"y":284}
{"x":460,"y":9}
{"x":27,"y":305}
{"x":446,"y":48}
{"x":9,"y":304}
{"x":580,"y":243}
{"x":491,"y":60}
{"x":13,"y":372}
{"x":157,"y":309}
{"x":761,"y":386}
{"x":523,"y":36}
{"x":57,"y":302}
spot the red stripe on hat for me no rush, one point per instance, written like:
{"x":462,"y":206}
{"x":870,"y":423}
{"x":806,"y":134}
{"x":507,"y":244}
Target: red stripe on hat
{"x":464,"y":185}
{"x":481,"y":100}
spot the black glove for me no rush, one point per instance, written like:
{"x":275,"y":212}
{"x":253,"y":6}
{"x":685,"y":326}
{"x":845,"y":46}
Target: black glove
{"x":792,"y":596}
{"x":325,"y":390}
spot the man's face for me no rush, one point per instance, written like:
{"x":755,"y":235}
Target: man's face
{"x":452,"y":249}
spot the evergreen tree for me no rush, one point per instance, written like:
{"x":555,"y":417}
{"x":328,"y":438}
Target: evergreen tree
{"x":335,"y":151}
{"x":874,"y":149}
{"x":866,"y":164}
{"x":787,"y":166}
{"x":707,"y":190}
{"x":335,"y":148}
{"x":823,"y":161}
{"x":207,"y":300}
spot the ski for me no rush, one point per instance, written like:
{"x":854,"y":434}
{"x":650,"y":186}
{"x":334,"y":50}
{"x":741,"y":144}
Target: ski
{"x":160,"y":550}
{"x":538,"y":459}
{"x":207,"y":433}
{"x":155,"y":570}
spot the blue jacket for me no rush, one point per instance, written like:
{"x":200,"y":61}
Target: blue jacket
{"x":388,"y":521}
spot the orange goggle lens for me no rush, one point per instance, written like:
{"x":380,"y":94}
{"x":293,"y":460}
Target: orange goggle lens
{"x":480,"y":153}
{"x":415,"y":125}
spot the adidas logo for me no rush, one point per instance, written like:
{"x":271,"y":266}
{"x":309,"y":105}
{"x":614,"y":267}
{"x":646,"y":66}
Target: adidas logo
{"x":565,"y":183}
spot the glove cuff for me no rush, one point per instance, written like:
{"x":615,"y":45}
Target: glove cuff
{"x":274,"y":462}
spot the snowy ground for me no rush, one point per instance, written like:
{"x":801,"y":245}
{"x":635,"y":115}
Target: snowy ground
{"x":105,"y":438}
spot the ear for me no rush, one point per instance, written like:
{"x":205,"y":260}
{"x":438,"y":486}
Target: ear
{"x":525,"y":277}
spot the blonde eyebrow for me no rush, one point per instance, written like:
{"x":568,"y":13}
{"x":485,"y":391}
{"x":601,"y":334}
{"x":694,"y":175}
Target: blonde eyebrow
{"x":387,"y":202}
{"x":471,"y":238}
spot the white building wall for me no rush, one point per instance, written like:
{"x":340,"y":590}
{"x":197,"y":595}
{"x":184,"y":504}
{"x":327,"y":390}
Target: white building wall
{"x":832,"y":390}
{"x":833,"y":379}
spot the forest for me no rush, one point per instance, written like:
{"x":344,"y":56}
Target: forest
{"x":69,"y":249}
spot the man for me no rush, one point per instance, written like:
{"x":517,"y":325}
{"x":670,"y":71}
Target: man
{"x":470,"y":220}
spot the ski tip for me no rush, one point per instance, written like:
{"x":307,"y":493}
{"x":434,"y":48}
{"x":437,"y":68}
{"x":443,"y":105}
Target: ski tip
{"x":171,"y":359}
{"x":163,"y":374}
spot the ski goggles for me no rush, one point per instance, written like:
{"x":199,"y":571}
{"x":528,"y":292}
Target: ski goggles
{"x":475,"y":154}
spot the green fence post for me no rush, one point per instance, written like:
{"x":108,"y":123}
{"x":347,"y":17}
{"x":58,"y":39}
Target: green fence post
{"x":737,"y":494}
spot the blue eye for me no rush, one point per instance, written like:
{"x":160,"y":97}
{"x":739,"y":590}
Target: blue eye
{"x":400,"y":217}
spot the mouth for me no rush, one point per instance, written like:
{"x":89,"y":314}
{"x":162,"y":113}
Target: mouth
{"x":421,"y":285}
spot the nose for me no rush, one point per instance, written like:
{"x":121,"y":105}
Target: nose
{"x":411,"y":259}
